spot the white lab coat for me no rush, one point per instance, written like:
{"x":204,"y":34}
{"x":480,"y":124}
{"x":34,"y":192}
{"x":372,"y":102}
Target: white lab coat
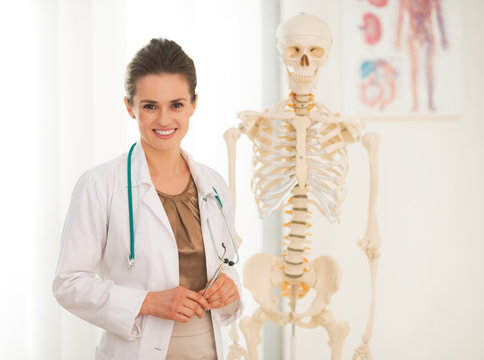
{"x":93,"y":280}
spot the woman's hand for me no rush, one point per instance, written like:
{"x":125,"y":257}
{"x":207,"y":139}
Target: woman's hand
{"x":179,"y":304}
{"x":223,"y":292}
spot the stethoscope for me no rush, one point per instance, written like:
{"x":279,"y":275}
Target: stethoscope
{"x":222,"y":258}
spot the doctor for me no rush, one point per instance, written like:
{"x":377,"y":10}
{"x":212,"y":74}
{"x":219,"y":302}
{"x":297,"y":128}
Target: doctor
{"x":156,"y":307}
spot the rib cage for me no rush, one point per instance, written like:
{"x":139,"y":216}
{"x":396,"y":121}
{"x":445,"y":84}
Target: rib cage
{"x":274,"y":165}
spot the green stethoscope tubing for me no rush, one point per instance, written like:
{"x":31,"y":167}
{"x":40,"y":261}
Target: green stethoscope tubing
{"x":130,"y":206}
{"x":131,"y":221}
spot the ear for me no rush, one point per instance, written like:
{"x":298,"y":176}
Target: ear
{"x":129,"y":108}
{"x":194,"y":103}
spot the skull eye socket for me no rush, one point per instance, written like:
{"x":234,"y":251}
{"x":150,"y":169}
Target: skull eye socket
{"x":317,"y":51}
{"x":291,"y":51}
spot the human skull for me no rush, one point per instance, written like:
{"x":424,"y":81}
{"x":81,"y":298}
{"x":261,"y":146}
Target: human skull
{"x":304,"y":43}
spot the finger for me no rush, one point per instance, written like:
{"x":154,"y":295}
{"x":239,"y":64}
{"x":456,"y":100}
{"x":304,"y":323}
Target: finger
{"x":231,"y":295}
{"x":222,"y":302}
{"x":190,"y":309}
{"x":195,"y":308}
{"x":181,"y":313}
{"x":199,"y":312}
{"x":227,"y":287}
{"x":216,"y":286}
{"x":185,"y":310}
{"x":219,"y":299}
{"x":181,"y":318}
{"x":199,"y":299}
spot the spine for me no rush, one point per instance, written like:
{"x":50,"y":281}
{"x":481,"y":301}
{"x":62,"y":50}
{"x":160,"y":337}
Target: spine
{"x":294,"y":256}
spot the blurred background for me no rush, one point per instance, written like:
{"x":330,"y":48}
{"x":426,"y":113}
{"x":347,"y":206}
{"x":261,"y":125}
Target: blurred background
{"x":62,"y":69}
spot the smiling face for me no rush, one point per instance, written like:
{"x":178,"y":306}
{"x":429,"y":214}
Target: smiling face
{"x":162,"y":107}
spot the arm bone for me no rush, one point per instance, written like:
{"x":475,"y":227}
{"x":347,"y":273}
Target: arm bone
{"x":231,"y":136}
{"x":370,"y":243}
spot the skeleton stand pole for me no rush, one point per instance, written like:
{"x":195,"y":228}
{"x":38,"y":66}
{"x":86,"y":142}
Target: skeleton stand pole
{"x":293,"y":330}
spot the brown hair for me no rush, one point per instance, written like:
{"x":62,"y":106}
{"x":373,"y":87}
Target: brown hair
{"x":160,"y":56}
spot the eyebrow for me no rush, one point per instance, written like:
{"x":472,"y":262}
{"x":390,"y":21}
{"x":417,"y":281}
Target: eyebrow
{"x":171,"y":101}
{"x":178,"y":100}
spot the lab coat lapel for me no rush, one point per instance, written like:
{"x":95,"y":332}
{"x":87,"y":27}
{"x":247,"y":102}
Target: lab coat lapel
{"x":204,"y":188}
{"x":141,"y":178}
{"x":203,"y":183}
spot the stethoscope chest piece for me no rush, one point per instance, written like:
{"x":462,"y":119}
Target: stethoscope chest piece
{"x":130,"y":263}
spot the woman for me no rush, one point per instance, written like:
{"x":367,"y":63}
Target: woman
{"x":157,"y":308}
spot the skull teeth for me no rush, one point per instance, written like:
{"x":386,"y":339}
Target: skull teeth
{"x":302,"y":78}
{"x":299,"y":76}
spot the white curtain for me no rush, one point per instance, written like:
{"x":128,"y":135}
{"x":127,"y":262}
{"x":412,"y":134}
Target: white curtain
{"x":62,"y":68}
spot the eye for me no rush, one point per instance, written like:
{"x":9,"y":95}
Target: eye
{"x":176,"y":105}
{"x":149,"y":106}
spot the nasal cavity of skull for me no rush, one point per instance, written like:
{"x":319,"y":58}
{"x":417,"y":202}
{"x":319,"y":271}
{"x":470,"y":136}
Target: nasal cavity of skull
{"x":304,"y":60}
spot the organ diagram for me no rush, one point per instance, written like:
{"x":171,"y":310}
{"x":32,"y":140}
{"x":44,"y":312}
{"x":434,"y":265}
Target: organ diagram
{"x":401,"y":58}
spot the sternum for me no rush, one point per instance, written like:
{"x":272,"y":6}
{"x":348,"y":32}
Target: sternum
{"x":301,"y":122}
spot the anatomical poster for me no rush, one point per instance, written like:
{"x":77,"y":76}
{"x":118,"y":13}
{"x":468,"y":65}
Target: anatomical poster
{"x":401,"y":58}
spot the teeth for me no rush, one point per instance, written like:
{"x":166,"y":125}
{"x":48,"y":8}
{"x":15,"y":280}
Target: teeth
{"x":165,"y":132}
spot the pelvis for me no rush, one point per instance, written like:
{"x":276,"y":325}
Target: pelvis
{"x":263,"y":272}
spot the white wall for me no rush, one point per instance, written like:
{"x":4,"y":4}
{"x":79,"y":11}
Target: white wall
{"x":430,"y":207}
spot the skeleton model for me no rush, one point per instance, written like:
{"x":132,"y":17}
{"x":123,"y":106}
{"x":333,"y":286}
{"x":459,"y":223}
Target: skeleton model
{"x":300,"y":159}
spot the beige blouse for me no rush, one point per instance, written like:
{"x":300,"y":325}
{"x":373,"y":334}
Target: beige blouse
{"x":184,"y":215}
{"x":193,"y":339}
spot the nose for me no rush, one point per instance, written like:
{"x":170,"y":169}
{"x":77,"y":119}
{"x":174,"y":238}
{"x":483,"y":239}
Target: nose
{"x":163,"y":116}
{"x":304,"y":60}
